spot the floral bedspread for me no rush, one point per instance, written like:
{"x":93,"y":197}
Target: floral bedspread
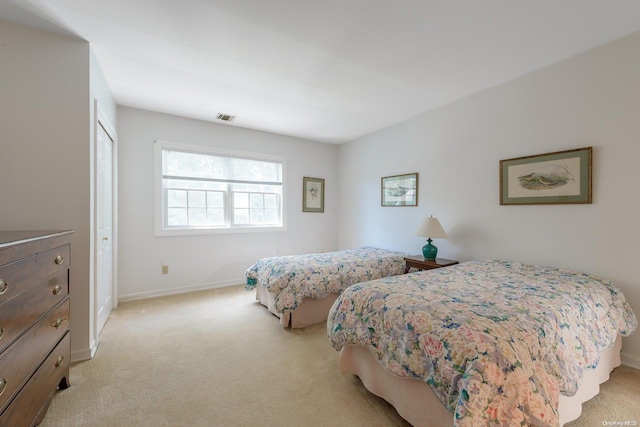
{"x":496,"y":341}
{"x":292,"y":278}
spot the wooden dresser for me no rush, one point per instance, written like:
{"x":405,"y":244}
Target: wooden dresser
{"x":34,"y":323}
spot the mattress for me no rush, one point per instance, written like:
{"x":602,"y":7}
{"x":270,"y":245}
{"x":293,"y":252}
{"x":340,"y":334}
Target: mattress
{"x":497,"y":342}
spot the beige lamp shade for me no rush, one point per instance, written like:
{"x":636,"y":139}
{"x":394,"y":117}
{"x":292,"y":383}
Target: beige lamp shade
{"x":432,"y":229}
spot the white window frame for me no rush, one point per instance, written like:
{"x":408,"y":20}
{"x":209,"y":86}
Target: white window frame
{"x":159,"y":209}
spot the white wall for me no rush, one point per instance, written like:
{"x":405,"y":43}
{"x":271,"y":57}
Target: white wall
{"x":211,"y":260}
{"x":44,"y":147}
{"x":100,"y":91}
{"x":100,"y":97}
{"x":589,"y":100}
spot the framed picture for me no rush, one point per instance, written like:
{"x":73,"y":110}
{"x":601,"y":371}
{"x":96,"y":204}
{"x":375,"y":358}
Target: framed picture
{"x":400,"y":190}
{"x":312,"y":194}
{"x":562,"y":177}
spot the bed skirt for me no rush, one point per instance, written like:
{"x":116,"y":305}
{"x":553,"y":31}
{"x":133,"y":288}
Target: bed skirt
{"x":309,"y":312}
{"x":416,"y":403}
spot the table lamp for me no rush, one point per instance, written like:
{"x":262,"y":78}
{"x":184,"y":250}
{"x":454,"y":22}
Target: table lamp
{"x":431,"y":228}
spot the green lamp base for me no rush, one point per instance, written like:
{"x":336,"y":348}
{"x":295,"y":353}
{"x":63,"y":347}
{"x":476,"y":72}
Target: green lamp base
{"x":429,"y":251}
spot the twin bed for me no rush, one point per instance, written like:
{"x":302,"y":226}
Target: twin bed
{"x":483,"y":342}
{"x":300,"y":289}
{"x":479,"y":343}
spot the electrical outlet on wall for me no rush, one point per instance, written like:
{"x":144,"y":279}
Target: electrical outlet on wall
{"x":165,"y":269}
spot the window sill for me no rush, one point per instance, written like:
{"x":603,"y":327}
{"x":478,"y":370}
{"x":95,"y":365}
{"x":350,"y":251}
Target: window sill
{"x":209,"y":231}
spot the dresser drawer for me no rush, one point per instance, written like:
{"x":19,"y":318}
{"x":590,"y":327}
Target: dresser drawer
{"x":19,"y":276}
{"x":18,"y":361}
{"x":26,"y":308}
{"x":40,"y":388}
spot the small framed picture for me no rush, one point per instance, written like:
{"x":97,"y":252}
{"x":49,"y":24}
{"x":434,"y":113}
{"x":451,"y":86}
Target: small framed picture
{"x":562,"y":177}
{"x":312,"y":194}
{"x":400,"y":190}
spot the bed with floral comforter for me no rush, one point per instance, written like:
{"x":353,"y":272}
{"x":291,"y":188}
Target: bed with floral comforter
{"x":496,"y":341}
{"x":292,"y":278}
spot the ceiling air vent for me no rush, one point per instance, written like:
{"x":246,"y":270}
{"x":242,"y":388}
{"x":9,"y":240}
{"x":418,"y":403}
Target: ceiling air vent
{"x":225,"y":117}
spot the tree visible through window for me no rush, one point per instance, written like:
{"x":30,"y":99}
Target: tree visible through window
{"x":202,"y":190}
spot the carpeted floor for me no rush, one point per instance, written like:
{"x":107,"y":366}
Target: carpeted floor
{"x":218,"y":358}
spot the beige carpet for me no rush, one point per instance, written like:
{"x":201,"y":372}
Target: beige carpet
{"x":218,"y":358}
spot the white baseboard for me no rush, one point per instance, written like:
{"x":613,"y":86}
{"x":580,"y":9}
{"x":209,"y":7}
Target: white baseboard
{"x":180,"y":290}
{"x":82,"y":354}
{"x":94,"y":348}
{"x":629,"y":360}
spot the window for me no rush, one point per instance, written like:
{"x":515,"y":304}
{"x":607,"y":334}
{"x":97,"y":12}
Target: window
{"x":201,"y":190}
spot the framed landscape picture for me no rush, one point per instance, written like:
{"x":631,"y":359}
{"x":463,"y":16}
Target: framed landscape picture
{"x":312,"y":194}
{"x":562,"y":177}
{"x":400,"y":190}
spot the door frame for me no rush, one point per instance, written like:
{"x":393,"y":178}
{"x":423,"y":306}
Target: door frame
{"x":101,"y":120}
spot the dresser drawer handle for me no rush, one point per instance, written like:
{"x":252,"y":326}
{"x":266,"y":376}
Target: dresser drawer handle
{"x":1,"y":332}
{"x":3,"y":287}
{"x":60,"y":361}
{"x":59,"y":259}
{"x":57,"y":289}
{"x":3,"y":385}
{"x":58,"y":322}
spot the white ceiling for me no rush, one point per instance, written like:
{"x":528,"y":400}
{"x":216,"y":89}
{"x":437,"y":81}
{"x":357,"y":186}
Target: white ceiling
{"x":329,"y":70}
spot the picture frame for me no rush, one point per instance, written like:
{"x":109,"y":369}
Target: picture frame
{"x":399,"y":190}
{"x":312,"y":194}
{"x":561,"y":177}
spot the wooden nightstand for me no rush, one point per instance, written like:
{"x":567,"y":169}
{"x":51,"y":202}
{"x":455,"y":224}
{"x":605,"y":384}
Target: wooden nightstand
{"x":418,"y":261}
